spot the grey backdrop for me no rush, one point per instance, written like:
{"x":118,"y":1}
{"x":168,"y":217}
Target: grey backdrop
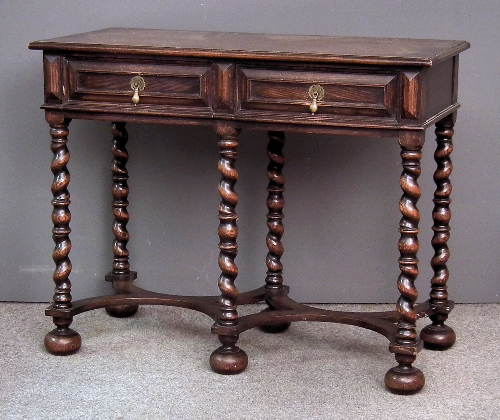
{"x":342,"y":193}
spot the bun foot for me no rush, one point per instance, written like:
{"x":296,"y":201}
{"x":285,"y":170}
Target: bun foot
{"x":404,"y":380}
{"x":121,"y":311}
{"x":228,"y":361}
{"x":275,"y":328}
{"x":438,"y":337}
{"x":63,"y":341}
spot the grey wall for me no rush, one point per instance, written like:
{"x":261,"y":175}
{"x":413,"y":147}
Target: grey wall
{"x":342,"y":193}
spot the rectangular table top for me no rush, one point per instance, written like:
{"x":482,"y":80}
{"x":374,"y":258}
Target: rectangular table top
{"x":345,"y":50}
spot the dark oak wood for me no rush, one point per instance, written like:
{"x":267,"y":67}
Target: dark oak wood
{"x":62,"y":340}
{"x":439,"y":336}
{"x":228,"y":358}
{"x":350,"y":50}
{"x":405,"y":345}
{"x":119,"y":191}
{"x":275,"y":205}
{"x":375,"y":87}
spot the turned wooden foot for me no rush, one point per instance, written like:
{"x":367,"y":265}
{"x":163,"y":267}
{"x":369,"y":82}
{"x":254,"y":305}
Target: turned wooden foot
{"x":121,"y":311}
{"x":228,"y":359}
{"x":404,"y":379}
{"x":438,"y":337}
{"x":274,"y":328}
{"x":63,"y":341}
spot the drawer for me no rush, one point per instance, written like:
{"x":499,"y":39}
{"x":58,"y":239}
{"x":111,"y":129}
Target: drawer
{"x":165,"y":84}
{"x":285,"y":91}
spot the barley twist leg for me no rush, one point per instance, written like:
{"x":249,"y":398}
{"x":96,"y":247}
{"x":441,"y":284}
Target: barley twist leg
{"x":275,"y":204}
{"x":228,"y":358}
{"x":439,"y":336}
{"x":405,"y":378}
{"x":120,"y":190}
{"x":62,"y":340}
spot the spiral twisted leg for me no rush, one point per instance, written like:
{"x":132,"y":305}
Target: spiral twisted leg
{"x":439,"y":336}
{"x":275,"y":204}
{"x":121,"y":265}
{"x":405,"y":378}
{"x":228,"y":358}
{"x":62,"y":340}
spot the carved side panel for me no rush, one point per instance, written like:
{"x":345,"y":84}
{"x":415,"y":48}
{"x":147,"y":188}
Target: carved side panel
{"x":411,"y":95}
{"x":53,"y":85}
{"x":224,"y":86}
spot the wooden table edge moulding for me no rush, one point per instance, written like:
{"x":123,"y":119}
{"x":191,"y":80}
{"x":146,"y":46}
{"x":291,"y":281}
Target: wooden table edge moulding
{"x":373,"y":87}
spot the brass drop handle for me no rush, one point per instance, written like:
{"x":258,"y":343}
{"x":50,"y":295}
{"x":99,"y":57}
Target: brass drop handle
{"x":316,"y":93}
{"x":137,"y":84}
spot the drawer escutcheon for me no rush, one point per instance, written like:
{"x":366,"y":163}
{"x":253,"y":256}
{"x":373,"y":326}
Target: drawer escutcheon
{"x":137,"y":84}
{"x":316,"y":93}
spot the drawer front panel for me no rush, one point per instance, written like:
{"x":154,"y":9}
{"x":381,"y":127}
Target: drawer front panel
{"x":344,"y":94}
{"x":165,"y":84}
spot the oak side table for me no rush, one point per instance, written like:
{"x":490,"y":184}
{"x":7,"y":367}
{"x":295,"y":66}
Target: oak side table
{"x":313,"y":84}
